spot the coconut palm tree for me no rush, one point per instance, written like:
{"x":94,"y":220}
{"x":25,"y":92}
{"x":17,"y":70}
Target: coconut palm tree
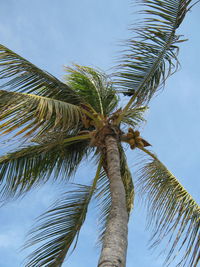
{"x":63,"y":123}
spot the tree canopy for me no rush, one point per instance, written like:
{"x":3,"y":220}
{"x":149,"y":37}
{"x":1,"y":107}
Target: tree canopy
{"x":65,"y":122}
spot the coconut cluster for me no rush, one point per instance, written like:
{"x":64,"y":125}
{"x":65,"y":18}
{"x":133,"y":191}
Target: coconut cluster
{"x":134,"y":139}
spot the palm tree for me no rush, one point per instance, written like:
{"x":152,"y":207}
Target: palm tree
{"x":61,"y":124}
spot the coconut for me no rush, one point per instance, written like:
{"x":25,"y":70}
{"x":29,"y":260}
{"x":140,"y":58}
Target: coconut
{"x":137,"y":133}
{"x":132,"y":142}
{"x":133,"y":146}
{"x":138,"y":139}
{"x":129,"y":135}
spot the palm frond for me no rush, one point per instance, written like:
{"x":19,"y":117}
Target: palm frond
{"x":103,"y":194}
{"x":103,"y":198}
{"x":127,"y":181}
{"x":152,"y":53}
{"x":35,"y":114}
{"x":60,"y":226}
{"x":134,"y":116}
{"x":94,"y":87}
{"x":172,"y":211}
{"x":23,"y":76}
{"x":31,"y":166}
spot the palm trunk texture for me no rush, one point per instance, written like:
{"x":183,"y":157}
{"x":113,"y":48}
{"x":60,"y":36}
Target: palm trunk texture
{"x":114,"y":247}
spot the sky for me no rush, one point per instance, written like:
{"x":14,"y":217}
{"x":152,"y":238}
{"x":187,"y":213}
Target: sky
{"x":52,"y":34}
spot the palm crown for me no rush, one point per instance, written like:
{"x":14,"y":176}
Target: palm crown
{"x":65,"y":122}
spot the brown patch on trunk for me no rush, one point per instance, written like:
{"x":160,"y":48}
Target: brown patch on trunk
{"x":100,"y":135}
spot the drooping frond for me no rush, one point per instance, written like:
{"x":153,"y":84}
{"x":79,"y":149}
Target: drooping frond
{"x":152,"y":53}
{"x":103,"y":193}
{"x":31,"y":166}
{"x":103,"y":198}
{"x":35,"y":114}
{"x":127,"y":181}
{"x":22,"y":76}
{"x":172,"y":211}
{"x":94,"y":87}
{"x":134,"y":116}
{"x":59,"y":228}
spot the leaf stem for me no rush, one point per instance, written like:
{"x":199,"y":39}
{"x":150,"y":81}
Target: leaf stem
{"x":126,"y":108}
{"x":78,"y":137}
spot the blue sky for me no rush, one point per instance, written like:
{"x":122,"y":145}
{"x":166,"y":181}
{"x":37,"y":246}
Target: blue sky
{"x":52,"y":34}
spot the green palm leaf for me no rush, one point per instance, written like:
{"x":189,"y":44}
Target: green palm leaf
{"x":31,"y":166}
{"x":23,"y":76}
{"x":171,"y":210}
{"x":134,"y":116}
{"x":103,"y":198}
{"x":36,"y":114}
{"x":60,"y":226}
{"x":152,"y":53}
{"x":94,"y":87}
{"x":103,"y":194}
{"x":127,"y":181}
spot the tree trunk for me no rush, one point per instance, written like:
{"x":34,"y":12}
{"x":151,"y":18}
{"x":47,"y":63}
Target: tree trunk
{"x":114,"y":247}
